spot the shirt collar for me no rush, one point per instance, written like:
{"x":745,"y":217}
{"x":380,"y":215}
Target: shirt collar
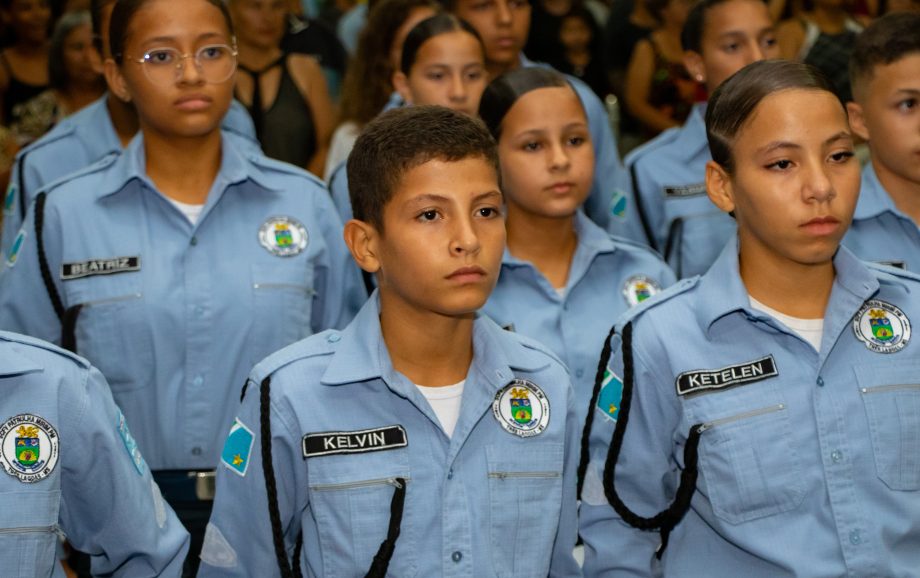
{"x":235,"y":166}
{"x":592,"y":241}
{"x":98,"y":123}
{"x":873,"y":198}
{"x":692,"y":136}
{"x":361,"y":354}
{"x":722,"y":291}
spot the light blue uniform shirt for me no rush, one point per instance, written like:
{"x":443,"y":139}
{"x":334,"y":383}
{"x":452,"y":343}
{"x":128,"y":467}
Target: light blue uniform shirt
{"x":484,"y":502}
{"x":77,"y":142}
{"x":610,"y":202}
{"x":880,"y":232}
{"x":174,"y":314}
{"x":668,"y":175}
{"x":70,"y":468}
{"x":607,"y":276}
{"x":808,"y":463}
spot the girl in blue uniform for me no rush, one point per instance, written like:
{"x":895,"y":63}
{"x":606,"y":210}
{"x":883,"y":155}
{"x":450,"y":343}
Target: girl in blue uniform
{"x":564,"y":280}
{"x":763,"y":428}
{"x":178,"y":264}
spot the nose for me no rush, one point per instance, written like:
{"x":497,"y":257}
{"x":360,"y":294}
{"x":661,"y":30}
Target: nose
{"x":457,"y":88}
{"x":756,"y":53}
{"x":559,"y":157}
{"x":503,"y":12}
{"x":818,"y":187}
{"x":464,"y":238}
{"x":188,"y":70}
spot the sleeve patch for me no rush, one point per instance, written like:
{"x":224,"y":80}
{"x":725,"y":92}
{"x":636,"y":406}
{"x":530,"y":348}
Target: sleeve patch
{"x":237,"y":448}
{"x":608,"y":402}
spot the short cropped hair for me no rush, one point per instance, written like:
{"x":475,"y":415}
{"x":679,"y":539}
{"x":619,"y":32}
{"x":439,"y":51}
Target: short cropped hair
{"x":402,"y":139}
{"x":887,"y":40}
{"x":733,"y":102}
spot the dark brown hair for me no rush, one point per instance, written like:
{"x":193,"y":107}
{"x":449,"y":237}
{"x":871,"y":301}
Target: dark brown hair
{"x":501,"y":94}
{"x":888,"y":39}
{"x":428,"y":29}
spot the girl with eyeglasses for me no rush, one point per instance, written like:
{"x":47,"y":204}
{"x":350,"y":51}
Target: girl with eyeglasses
{"x":177,"y":265}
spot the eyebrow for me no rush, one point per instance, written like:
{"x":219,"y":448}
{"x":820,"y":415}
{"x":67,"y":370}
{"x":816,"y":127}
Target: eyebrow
{"x":744,"y":34}
{"x":435,"y":198}
{"x":777,"y":145}
{"x":909,"y":91}
{"x":161,"y":39}
{"x":571,"y":125}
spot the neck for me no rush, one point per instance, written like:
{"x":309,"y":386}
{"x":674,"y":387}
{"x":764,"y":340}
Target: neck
{"x":496,"y":69}
{"x":428,"y":348}
{"x":256,"y":57}
{"x":904,"y":193}
{"x":548,"y":243}
{"x":79,"y":95}
{"x":124,"y":118}
{"x":831,"y":20}
{"x":183,"y":169}
{"x":796,"y":289}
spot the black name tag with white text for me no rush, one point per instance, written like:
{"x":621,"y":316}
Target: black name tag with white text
{"x":708,"y":379}
{"x":354,"y":442}
{"x":686,"y":190}
{"x":92,"y":267}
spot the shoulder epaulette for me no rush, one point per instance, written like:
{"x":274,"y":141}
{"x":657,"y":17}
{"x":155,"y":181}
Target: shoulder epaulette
{"x":665,"y":295}
{"x":320,"y":344}
{"x":883,"y":270}
{"x":95,"y":167}
{"x":665,"y":138}
{"x":271,"y":164}
{"x":40,"y":344}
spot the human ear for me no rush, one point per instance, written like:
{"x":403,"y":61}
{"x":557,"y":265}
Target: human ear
{"x":719,"y":187}
{"x":857,"y":120}
{"x":116,"y":81}
{"x":361,"y":239}
{"x":401,"y":84}
{"x":693,"y":62}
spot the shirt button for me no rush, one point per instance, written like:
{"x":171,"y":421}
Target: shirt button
{"x":196,"y":451}
{"x":334,"y":338}
{"x":836,"y":456}
{"x":820,"y":381}
{"x":855,"y":538}
{"x":579,"y":373}
{"x":456,"y":556}
{"x":197,"y":381}
{"x":450,"y":474}
{"x":193,"y":241}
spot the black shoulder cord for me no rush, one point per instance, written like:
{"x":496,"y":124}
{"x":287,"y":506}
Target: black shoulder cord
{"x":384,"y":554}
{"x":21,"y":181}
{"x":67,"y":317}
{"x":667,"y":519}
{"x":589,"y":422}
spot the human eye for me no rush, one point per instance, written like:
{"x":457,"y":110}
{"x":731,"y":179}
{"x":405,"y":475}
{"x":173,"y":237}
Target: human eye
{"x":780,"y":165}
{"x":483,"y":6}
{"x":907,"y":105}
{"x":841,"y":157}
{"x":730,"y":47}
{"x":160,"y":56}
{"x":214,"y":52}
{"x":489,"y":212}
{"x":769,"y":41}
{"x":531,"y":146}
{"x":435,"y":75}
{"x":577,"y":140}
{"x":474,"y":74}
{"x":428,"y":216}
{"x":514,"y":4}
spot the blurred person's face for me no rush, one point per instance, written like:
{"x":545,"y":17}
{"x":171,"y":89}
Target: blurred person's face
{"x":259,"y":22}
{"x":80,"y":58}
{"x":676,"y":11}
{"x":503,"y":26}
{"x":29,"y":19}
{"x":574,"y":33}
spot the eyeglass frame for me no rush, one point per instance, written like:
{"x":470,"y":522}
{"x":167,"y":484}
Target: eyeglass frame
{"x":180,"y":65}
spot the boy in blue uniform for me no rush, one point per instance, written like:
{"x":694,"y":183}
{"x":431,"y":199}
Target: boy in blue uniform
{"x":102,"y":128}
{"x":767,"y":425}
{"x":719,"y":38}
{"x":421,"y":440}
{"x":70,"y":468}
{"x":885,"y":75}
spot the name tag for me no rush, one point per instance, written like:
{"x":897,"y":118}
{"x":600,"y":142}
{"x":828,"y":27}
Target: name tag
{"x":686,"y":190}
{"x":92,"y":267}
{"x":707,"y":379}
{"x":354,"y":442}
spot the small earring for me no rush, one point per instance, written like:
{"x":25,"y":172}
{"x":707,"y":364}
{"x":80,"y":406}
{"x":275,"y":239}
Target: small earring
{"x":699,"y":78}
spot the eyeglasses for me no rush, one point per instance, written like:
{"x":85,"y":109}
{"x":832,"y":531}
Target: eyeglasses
{"x":214,"y":62}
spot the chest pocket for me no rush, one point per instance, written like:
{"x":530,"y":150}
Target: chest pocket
{"x":891,"y":396}
{"x":28,"y":533}
{"x":695,"y":241}
{"x":282,"y":301}
{"x":111,"y":328}
{"x":750,"y":462}
{"x":350,"y":496}
{"x":525,"y":493}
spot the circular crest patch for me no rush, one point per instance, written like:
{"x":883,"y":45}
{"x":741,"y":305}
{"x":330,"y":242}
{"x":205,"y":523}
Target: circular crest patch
{"x":28,"y":447}
{"x":521,"y":408}
{"x":638,"y":288}
{"x":882,"y":327}
{"x":283,"y":236}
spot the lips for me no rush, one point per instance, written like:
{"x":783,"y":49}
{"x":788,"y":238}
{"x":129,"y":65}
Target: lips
{"x":820,"y":226}
{"x":467,"y":274}
{"x":562,"y":187}
{"x":193,"y":102}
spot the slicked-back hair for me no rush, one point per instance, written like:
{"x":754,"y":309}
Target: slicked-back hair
{"x":427,"y":29}
{"x":887,"y":40}
{"x":402,"y":139}
{"x":124,"y":13}
{"x":501,"y":94}
{"x":95,"y":12}
{"x":691,"y":35}
{"x":733,"y":102}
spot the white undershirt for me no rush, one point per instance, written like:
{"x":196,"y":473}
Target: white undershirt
{"x":191,"y":212}
{"x":811,"y":330}
{"x":445,"y":401}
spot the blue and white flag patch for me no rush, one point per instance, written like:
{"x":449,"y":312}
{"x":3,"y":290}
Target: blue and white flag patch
{"x":9,"y":202}
{"x":608,"y":402}
{"x":237,"y":448}
{"x":16,"y":247}
{"x":133,"y":452}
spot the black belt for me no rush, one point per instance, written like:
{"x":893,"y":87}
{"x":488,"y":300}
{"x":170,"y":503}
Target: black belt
{"x":186,"y":485}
